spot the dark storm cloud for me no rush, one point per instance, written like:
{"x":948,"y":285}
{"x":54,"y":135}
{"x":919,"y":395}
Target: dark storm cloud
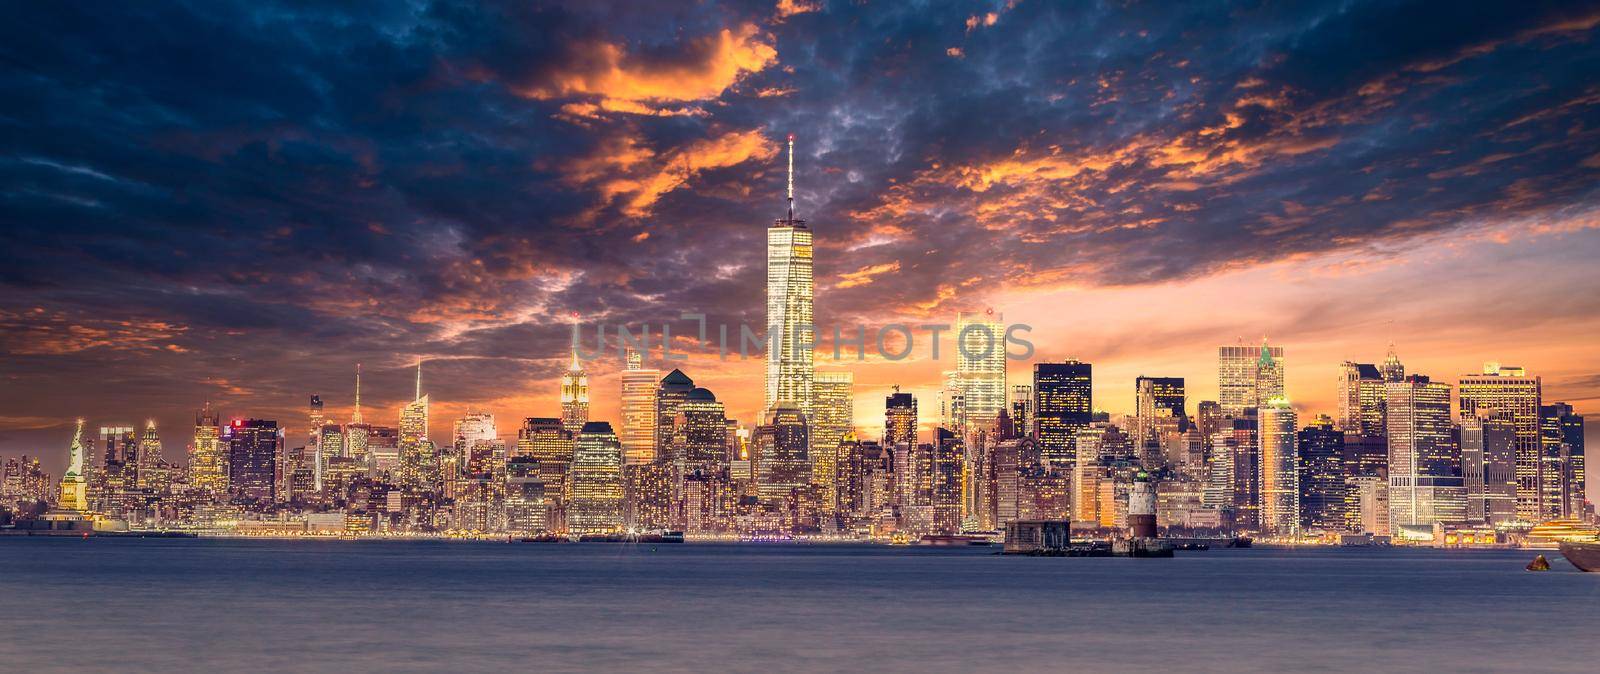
{"x":251,"y":197}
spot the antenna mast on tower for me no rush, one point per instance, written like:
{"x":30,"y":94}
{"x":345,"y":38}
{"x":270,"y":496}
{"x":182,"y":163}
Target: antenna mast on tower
{"x":355,"y":418}
{"x":791,"y":178}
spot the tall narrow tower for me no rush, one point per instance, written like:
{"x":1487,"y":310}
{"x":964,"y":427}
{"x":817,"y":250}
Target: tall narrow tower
{"x":574,"y":396}
{"x":355,"y":417}
{"x":790,"y":291}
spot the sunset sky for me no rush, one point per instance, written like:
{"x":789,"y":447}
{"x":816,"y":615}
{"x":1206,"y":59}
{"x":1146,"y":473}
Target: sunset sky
{"x":239,"y":201}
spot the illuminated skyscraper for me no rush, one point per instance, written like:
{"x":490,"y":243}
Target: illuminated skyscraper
{"x":1063,"y":404}
{"x":790,"y":287}
{"x":1510,"y":389}
{"x":149,"y":459}
{"x":639,"y":386}
{"x":419,"y":461}
{"x":1391,"y":369}
{"x":574,"y":396}
{"x":1325,"y":494}
{"x":899,"y":419}
{"x":1425,"y":483}
{"x":1280,"y":473}
{"x":1561,"y":458}
{"x":545,"y":440}
{"x":700,"y":435}
{"x":1248,"y":376}
{"x":253,"y":446}
{"x":833,"y":416}
{"x":1022,"y":410}
{"x":596,"y":506}
{"x":981,"y":366}
{"x":782,"y":465}
{"x":208,"y":465}
{"x":1489,"y":467}
{"x":1361,"y":387}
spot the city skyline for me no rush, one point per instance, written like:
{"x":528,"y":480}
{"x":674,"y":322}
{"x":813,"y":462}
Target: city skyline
{"x":1262,"y":207}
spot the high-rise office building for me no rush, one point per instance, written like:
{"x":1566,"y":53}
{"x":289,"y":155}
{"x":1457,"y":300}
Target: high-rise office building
{"x":596,"y":505}
{"x":252,"y":446}
{"x":790,"y":287}
{"x":1324,"y":492}
{"x":1489,"y":467}
{"x":208,"y":464}
{"x":1425,"y":482}
{"x":546,"y":440}
{"x":419,"y":462}
{"x":700,"y":436}
{"x":639,"y":386}
{"x":670,"y":393}
{"x":1279,"y":466}
{"x":1248,"y":377}
{"x":1562,"y":480}
{"x":980,"y":366}
{"x":1022,"y":409}
{"x":574,"y":396}
{"x":148,"y":462}
{"x":899,"y":419}
{"x":944,"y":479}
{"x":1159,"y":396}
{"x":1391,"y":368}
{"x":832,"y":417}
{"x":1510,"y":389}
{"x":1063,"y":404}
{"x":782,"y":465}
{"x":1361,"y":387}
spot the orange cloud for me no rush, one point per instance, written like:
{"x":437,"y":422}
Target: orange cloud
{"x":628,"y":83}
{"x":625,"y":170}
{"x":864,"y":275}
{"x":788,"y":8}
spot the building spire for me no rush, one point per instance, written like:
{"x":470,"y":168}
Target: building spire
{"x":355,"y":417}
{"x":791,"y":178}
{"x":419,"y":382}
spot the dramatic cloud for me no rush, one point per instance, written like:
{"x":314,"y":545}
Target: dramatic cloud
{"x":240,"y":201}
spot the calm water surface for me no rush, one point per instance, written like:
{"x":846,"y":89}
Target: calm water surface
{"x":254,"y":606}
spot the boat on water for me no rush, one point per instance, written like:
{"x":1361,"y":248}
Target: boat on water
{"x":1585,"y":556}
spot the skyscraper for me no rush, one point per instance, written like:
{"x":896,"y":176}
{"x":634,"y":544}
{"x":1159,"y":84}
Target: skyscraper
{"x":1324,"y":492}
{"x":1425,"y":483}
{"x":1489,"y":467}
{"x":1510,"y":389}
{"x":781,"y":462}
{"x":790,"y":287}
{"x":1159,"y":396}
{"x":574,"y":396}
{"x":1022,"y":409}
{"x":899,"y":419}
{"x":419,"y":463}
{"x":980,"y":367}
{"x":1063,"y":404}
{"x":639,"y":410}
{"x":1391,"y":369}
{"x":832,"y":417}
{"x":700,"y":436}
{"x":1561,"y":455}
{"x":1280,"y":472}
{"x":149,"y":459}
{"x":1248,"y":376}
{"x":1361,"y":387}
{"x":670,"y":393}
{"x":253,"y":446}
{"x":596,"y":506}
{"x":208,"y":465}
